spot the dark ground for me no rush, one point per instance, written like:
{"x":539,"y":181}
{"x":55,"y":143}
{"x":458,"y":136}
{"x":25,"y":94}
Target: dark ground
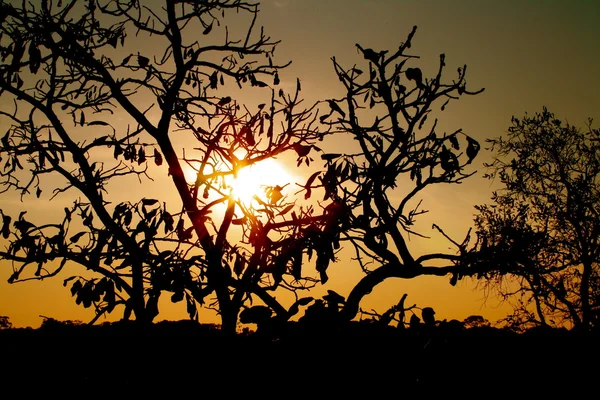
{"x":354,"y":360}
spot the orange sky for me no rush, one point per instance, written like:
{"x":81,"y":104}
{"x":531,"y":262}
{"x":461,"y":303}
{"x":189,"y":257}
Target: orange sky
{"x":527,"y":54}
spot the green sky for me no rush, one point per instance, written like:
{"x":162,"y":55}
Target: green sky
{"x":527,"y":54}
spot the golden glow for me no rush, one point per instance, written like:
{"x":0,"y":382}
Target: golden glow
{"x":253,"y":180}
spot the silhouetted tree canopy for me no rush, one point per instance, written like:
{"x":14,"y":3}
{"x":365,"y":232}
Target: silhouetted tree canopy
{"x":93,"y":104}
{"x":399,"y":153}
{"x":104,"y":90}
{"x":542,"y":229}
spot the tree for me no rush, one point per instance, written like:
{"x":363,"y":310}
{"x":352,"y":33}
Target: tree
{"x":399,"y":154}
{"x":542,"y":229}
{"x":92,"y":109}
{"x":5,"y":322}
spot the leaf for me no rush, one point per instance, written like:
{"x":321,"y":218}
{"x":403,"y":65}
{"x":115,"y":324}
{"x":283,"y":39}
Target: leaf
{"x":102,"y":123}
{"x":188,"y":233}
{"x":414,"y":74}
{"x":118,"y":151}
{"x":286,"y":209}
{"x":191,"y":307}
{"x":224,"y":100}
{"x":128,"y":217}
{"x":298,"y":86}
{"x":82,"y":119}
{"x":76,"y":287}
{"x":6,"y":226}
{"x":75,"y":238}
{"x":68,"y":280}
{"x":472,"y":148}
{"x":454,"y":142}
{"x":301,"y":150}
{"x":214,"y":80}
{"x":260,"y":84}
{"x":169,"y":221}
{"x":329,"y":157}
{"x":239,"y":265}
{"x":177,"y":297}
{"x":248,"y":135}
{"x":149,"y":202}
{"x":141,"y":156}
{"x":158,"y":160}
{"x":143,"y":61}
{"x":304,"y":301}
{"x":312,"y":178}
{"x":275,"y":194}
{"x":99,"y":141}
{"x":35,"y":58}
{"x":207,"y":29}
{"x":336,"y":108}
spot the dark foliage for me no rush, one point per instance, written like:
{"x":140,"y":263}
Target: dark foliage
{"x":355,"y":359}
{"x":542,"y":231}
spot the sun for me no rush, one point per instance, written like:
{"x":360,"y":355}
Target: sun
{"x":253,"y":180}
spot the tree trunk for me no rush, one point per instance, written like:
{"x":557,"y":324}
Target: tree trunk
{"x":137,"y":295}
{"x":586,"y":311}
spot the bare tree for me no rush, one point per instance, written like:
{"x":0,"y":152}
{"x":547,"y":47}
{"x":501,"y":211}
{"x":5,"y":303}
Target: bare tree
{"x":92,"y":109}
{"x":542,"y":229}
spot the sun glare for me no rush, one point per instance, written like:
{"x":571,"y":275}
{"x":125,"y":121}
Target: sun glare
{"x":252,"y":181}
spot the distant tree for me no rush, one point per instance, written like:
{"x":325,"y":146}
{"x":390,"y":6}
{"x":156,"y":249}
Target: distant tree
{"x":475,"y":321}
{"x":399,"y":153}
{"x":542,"y":229}
{"x":5,"y":322}
{"x":89,"y":109}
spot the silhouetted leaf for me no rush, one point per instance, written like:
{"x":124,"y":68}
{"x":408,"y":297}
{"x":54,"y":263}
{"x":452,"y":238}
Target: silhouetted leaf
{"x":177,"y":297}
{"x":329,"y":157}
{"x":286,"y":209}
{"x":68,"y":280}
{"x":6,"y":226}
{"x":76,"y":287}
{"x":275,"y":194}
{"x":158,"y":160}
{"x":301,"y":150}
{"x":143,"y":61}
{"x":207,"y":29}
{"x":239,"y":265}
{"x":214,"y":80}
{"x":472,"y":148}
{"x":454,"y":142}
{"x":414,"y":74}
{"x":102,"y":123}
{"x":99,"y":141}
{"x":224,"y":100}
{"x":336,"y":108}
{"x":141,"y":156}
{"x":35,"y":57}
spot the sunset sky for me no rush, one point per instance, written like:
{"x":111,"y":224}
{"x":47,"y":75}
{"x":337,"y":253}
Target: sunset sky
{"x":526,"y":54}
